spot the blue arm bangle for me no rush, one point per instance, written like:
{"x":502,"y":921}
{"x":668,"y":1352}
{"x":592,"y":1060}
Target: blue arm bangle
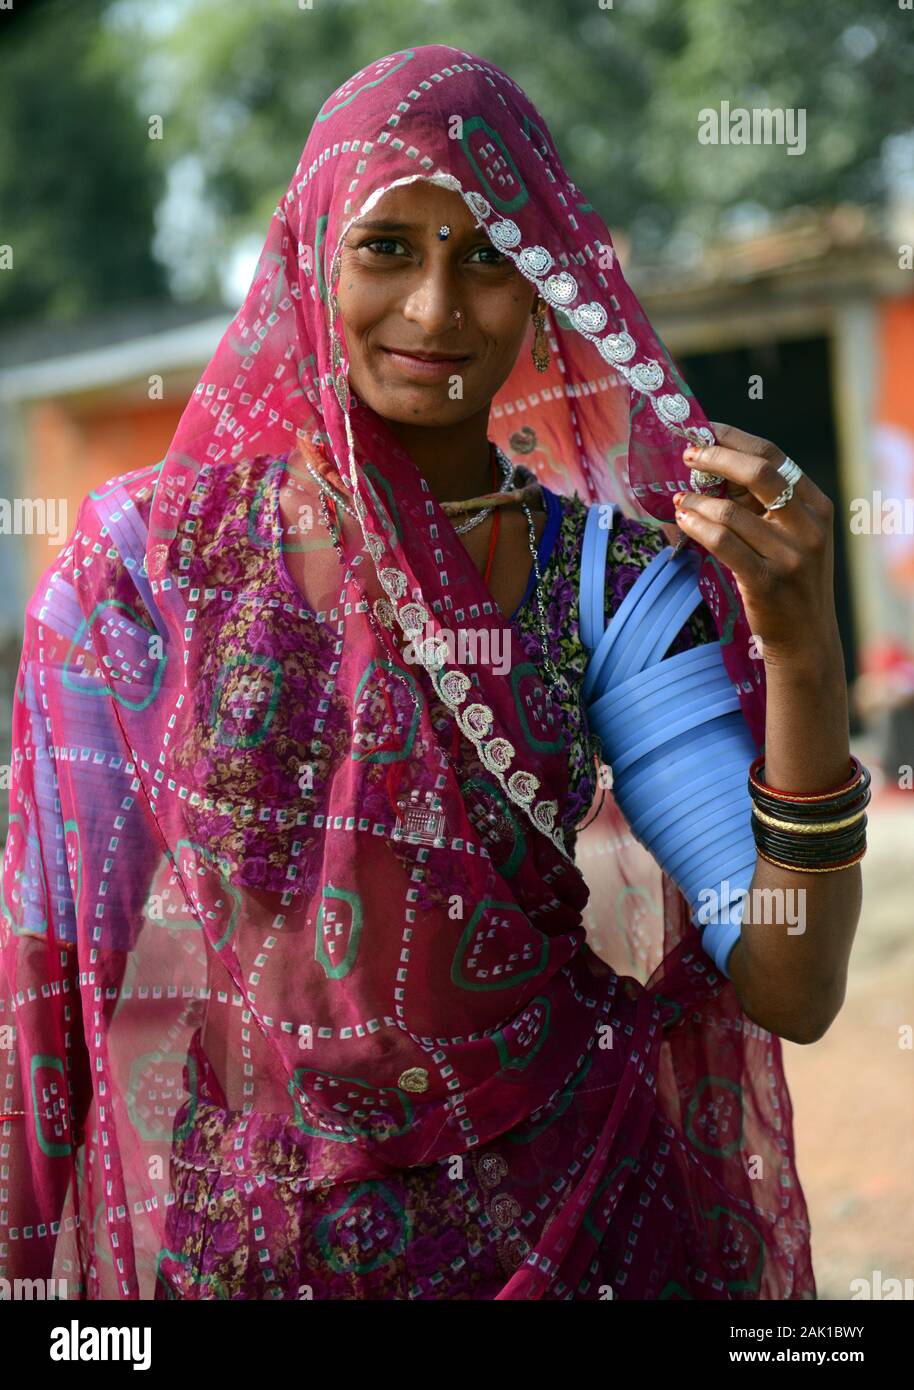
{"x":686,"y":799}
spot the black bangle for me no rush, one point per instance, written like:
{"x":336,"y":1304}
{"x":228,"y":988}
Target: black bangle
{"x":824,"y":850}
{"x":813,"y":811}
{"x":786,"y":852}
{"x":811,"y":818}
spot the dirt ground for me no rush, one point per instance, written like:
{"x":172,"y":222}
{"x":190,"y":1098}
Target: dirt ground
{"x":853,"y":1091}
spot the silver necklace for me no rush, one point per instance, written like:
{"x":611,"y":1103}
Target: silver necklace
{"x":507,"y":479}
{"x":556,"y":681}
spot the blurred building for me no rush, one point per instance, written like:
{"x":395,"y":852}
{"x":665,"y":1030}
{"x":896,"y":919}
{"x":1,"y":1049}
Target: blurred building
{"x":804,"y":335}
{"x":80,"y":404}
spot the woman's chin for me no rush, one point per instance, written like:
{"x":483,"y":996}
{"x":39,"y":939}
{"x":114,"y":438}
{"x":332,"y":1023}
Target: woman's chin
{"x":418,"y":406}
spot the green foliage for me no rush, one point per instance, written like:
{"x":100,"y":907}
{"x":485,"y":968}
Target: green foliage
{"x":77,"y":188}
{"x":238,"y":85}
{"x":620,"y":89}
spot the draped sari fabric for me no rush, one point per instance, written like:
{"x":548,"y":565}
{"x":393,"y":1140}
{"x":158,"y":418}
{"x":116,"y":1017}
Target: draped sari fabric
{"x":221,"y":721}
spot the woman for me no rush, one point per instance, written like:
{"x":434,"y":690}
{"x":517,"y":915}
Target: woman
{"x":294,"y":941}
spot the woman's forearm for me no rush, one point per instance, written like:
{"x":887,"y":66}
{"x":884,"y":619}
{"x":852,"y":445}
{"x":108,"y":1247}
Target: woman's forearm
{"x":789,"y":966}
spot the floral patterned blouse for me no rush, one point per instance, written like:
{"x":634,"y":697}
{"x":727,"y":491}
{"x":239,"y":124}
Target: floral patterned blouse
{"x":241,"y":522}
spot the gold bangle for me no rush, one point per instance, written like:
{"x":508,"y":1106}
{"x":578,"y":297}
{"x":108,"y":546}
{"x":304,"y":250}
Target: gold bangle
{"x":802,"y":829}
{"x":802,"y":869}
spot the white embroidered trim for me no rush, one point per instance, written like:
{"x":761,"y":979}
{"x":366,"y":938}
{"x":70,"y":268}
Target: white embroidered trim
{"x":617,"y":349}
{"x":414,"y":616}
{"x":523,"y":785}
{"x":560,"y":289}
{"x":497,"y":754}
{"x":384,"y":612}
{"x":433,"y":652}
{"x":544,"y":813}
{"x":672,"y":408}
{"x":475,"y":720}
{"x":394,"y":582}
{"x":453,"y":687}
{"x":375,"y":545}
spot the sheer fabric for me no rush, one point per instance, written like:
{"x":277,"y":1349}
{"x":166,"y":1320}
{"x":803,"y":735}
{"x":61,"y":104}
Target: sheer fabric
{"x":209,"y":869}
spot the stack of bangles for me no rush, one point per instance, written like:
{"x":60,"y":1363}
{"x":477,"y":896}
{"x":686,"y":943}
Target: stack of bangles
{"x":815,"y":834}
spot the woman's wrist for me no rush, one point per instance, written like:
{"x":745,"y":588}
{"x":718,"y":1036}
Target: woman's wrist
{"x":817,"y":663}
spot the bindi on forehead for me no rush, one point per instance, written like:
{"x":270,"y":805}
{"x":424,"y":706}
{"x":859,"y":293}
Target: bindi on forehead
{"x":393,"y":224}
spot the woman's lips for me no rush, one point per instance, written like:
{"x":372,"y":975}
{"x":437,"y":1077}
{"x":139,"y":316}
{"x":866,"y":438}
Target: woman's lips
{"x":422,"y":367}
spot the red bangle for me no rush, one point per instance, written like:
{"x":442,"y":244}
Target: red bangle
{"x":754,"y":778}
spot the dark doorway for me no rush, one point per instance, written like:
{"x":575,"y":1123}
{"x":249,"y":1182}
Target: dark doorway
{"x":796,"y":413}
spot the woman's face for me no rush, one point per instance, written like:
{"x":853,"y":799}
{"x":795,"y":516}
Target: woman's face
{"x":398,"y":287}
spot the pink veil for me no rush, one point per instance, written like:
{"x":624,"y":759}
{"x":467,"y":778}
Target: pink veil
{"x":207,"y":712}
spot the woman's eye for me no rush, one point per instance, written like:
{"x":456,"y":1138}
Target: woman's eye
{"x":382,"y":242}
{"x":489,"y":251}
{"x":390,"y":246}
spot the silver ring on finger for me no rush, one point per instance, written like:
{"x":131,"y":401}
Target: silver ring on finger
{"x":781,"y":500}
{"x":791,"y":473}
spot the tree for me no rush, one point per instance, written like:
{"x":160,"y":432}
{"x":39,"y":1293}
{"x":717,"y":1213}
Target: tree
{"x":237,"y":86}
{"x":621,"y":90}
{"x":78,"y":187}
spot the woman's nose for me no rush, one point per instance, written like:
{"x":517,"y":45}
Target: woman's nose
{"x":431,"y":302}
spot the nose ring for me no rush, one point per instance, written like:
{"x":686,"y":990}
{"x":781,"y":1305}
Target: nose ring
{"x":443,"y":233}
{"x":459,"y":317}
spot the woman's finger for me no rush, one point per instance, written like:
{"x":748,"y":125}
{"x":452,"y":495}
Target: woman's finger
{"x":758,"y":474}
{"x":742,"y":440}
{"x":747,"y":564}
{"x":745,"y":443}
{"x":771,"y":544}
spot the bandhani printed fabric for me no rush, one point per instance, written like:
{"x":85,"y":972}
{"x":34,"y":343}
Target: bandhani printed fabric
{"x":444,"y":1230}
{"x":272,"y":950}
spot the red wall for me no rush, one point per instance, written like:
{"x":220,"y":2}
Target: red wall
{"x":72,"y":448}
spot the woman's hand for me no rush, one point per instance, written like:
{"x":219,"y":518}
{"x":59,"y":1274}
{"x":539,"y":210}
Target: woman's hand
{"x":782,"y":561}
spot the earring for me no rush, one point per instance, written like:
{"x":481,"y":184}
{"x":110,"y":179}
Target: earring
{"x":337,"y":375}
{"x":540,"y":350}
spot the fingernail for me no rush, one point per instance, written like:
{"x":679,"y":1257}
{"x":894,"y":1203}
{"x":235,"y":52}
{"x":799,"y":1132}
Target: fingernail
{"x":677,"y":498}
{"x":689,"y":453}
